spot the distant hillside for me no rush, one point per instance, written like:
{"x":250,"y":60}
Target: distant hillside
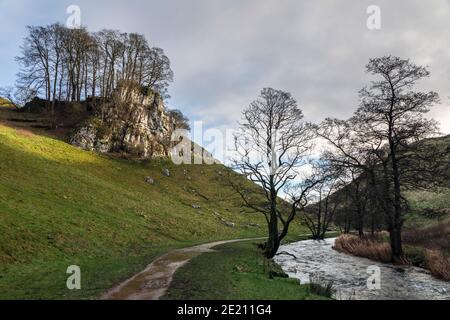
{"x":62,"y":206}
{"x":427,"y":206}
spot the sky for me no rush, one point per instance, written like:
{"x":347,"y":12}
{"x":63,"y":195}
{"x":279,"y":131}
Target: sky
{"x":223,"y":52}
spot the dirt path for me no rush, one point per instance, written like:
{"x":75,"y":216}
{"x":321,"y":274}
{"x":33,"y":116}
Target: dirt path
{"x":153,"y":282}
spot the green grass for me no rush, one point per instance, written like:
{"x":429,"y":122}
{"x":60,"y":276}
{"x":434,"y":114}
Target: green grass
{"x":436,"y":199}
{"x":427,"y":207}
{"x":62,"y":206}
{"x":235,"y":271}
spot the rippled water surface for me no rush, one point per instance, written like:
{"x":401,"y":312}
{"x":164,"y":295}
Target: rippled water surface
{"x":349,"y":273}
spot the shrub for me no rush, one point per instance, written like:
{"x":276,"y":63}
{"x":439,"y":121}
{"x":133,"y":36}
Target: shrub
{"x":321,"y":287}
{"x":371,"y":248}
{"x":415,"y":256}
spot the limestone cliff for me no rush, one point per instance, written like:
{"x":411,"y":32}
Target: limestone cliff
{"x":131,"y":122}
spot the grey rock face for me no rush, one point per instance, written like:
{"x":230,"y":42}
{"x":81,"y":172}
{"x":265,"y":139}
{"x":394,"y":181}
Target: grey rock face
{"x":85,"y":138}
{"x":129,"y":123}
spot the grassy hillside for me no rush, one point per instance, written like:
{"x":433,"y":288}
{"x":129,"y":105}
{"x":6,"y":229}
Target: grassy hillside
{"x":61,"y":206}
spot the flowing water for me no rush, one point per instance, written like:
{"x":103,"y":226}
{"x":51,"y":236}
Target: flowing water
{"x":350,"y":274}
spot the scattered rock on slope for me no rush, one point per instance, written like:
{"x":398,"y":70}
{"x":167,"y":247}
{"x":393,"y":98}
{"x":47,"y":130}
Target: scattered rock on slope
{"x":166,"y":173}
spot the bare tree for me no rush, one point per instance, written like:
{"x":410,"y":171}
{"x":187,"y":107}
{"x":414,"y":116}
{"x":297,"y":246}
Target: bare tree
{"x":323,"y":204}
{"x":357,"y":189}
{"x":155,"y":72}
{"x":376,"y":139}
{"x":392,"y":113}
{"x":73,"y":64}
{"x":35,"y":61}
{"x":271,"y":147}
{"x":56,"y":34}
{"x":180,"y":120}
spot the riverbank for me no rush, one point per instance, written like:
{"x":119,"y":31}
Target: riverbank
{"x":235,"y":271}
{"x":427,"y":248}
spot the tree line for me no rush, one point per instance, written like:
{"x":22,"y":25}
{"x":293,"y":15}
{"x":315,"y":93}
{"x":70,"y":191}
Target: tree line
{"x":63,"y":64}
{"x":366,"y":164}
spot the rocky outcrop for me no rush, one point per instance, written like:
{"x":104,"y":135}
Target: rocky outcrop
{"x":130,"y":122}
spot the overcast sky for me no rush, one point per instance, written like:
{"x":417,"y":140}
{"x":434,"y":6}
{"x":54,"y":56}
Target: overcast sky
{"x":224,"y":51}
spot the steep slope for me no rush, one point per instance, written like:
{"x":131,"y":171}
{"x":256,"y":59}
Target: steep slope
{"x":61,"y":206}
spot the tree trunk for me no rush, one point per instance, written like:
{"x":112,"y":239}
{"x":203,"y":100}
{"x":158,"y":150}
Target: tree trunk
{"x":273,"y":242}
{"x":347,"y":225}
{"x":94,"y":78}
{"x":396,"y":230}
{"x":372,"y":225}
{"x":395,"y":236}
{"x":360,"y":224}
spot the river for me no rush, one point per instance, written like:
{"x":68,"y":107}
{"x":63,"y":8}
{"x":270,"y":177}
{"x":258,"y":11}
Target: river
{"x":350,"y":274}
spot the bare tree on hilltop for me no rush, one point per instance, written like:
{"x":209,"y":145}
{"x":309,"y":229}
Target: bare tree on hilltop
{"x":62,"y":64}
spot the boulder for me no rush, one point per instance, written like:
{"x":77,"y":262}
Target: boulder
{"x":230,"y":224}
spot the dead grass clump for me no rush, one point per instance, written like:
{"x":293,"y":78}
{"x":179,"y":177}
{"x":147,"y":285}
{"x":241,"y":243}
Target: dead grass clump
{"x":367,"y":247}
{"x":438,"y":263}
